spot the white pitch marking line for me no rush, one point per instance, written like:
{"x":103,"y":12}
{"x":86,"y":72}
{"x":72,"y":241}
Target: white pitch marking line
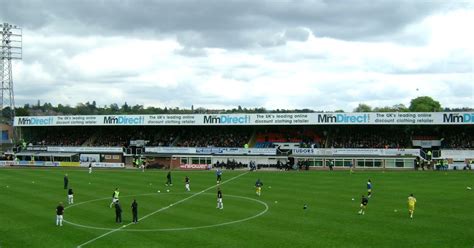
{"x":182,"y":228}
{"x":159,"y":210}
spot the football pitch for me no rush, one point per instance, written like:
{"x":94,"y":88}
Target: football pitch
{"x":443,"y":218}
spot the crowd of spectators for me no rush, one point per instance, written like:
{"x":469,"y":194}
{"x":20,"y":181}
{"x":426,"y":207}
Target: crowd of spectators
{"x":458,"y":138}
{"x":317,"y":137}
{"x":305,"y":137}
{"x":58,"y":137}
{"x":213,"y":138}
{"x":366,"y":137}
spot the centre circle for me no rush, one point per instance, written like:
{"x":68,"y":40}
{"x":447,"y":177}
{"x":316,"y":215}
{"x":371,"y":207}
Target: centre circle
{"x":169,"y":229}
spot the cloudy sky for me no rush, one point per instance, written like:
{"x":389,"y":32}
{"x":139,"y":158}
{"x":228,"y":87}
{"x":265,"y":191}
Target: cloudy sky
{"x":321,"y":54}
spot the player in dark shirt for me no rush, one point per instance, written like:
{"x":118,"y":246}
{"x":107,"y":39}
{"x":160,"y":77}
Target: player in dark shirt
{"x":66,"y":181}
{"x":59,"y":214}
{"x":168,"y":179}
{"x":363,"y":204}
{"x":220,"y":204}
{"x":70,"y":196}
{"x":186,"y":183}
{"x":135,"y":211}
{"x":118,"y":212}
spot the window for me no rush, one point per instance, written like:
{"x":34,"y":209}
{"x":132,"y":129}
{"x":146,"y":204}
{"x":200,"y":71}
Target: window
{"x":317,"y":163}
{"x":377,"y":163}
{"x":399,"y":163}
{"x":369,"y":163}
{"x":390,"y":163}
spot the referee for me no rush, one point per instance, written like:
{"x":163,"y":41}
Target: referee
{"x":135,"y":211}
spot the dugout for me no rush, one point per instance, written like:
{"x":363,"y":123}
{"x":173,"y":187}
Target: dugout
{"x":47,"y":156}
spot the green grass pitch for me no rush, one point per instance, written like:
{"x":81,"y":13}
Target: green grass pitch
{"x":444,"y":212}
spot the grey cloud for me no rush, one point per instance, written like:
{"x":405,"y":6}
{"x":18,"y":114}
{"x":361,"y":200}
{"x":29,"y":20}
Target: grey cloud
{"x":297,"y":34}
{"x":191,"y":52}
{"x":215,"y":23}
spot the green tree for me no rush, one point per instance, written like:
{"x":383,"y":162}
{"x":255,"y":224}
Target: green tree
{"x":424,"y":104}
{"x":394,"y":108}
{"x":363,"y":108}
{"x":400,"y":108}
{"x":22,"y":111}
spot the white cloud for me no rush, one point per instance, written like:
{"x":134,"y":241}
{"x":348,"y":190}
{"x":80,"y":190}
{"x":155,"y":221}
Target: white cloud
{"x":287,"y":67}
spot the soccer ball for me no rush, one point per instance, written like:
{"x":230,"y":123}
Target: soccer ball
{"x":395,"y":210}
{"x":167,"y":190}
{"x":352,"y":198}
{"x":159,"y":191}
{"x":276,"y":201}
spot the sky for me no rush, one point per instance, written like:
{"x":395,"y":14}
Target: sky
{"x":219,"y":54}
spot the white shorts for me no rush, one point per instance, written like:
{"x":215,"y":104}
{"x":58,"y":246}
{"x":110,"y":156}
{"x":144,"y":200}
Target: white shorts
{"x":59,"y":217}
{"x":114,"y":200}
{"x":219,"y":200}
{"x":70,"y":197}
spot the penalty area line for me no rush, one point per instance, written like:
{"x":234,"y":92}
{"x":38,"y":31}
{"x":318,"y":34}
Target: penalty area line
{"x":159,"y":210}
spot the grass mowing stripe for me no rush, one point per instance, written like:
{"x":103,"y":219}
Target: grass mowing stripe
{"x":159,"y":210}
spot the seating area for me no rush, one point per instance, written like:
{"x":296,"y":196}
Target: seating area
{"x":305,"y":137}
{"x":258,"y":137}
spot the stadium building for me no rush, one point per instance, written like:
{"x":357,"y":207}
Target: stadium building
{"x":389,"y":140}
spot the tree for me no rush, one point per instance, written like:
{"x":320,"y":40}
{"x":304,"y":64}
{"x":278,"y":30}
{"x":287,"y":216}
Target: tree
{"x":424,"y":104}
{"x":114,"y":108}
{"x":394,"y":108}
{"x":363,"y":108}
{"x":125,"y":108}
{"x":22,"y":111}
{"x":400,"y":108}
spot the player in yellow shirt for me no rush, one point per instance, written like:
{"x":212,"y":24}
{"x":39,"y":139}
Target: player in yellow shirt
{"x":411,"y":205}
{"x":258,"y":187}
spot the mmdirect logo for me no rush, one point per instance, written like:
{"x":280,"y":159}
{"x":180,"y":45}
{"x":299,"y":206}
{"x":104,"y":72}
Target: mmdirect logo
{"x":226,"y":119}
{"x":343,"y":118}
{"x":35,"y":121}
{"x":124,"y":120}
{"x":458,"y":118}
